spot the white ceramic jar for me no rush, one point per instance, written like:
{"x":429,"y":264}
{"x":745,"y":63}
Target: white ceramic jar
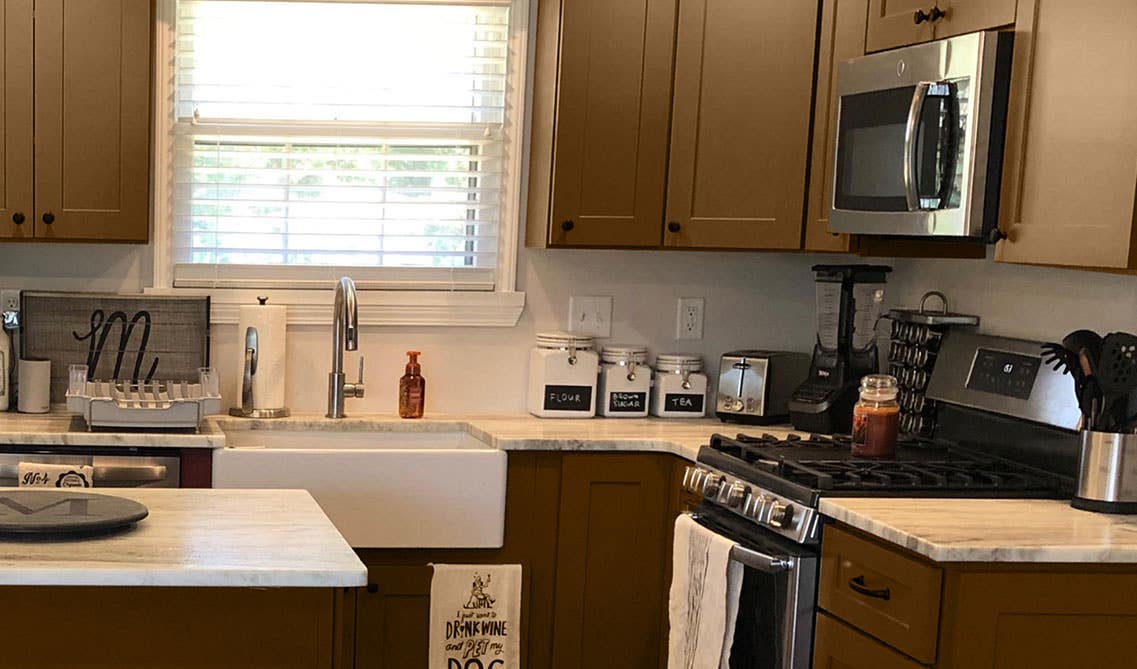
{"x":680,"y":386}
{"x":625,"y":381}
{"x":562,"y":376}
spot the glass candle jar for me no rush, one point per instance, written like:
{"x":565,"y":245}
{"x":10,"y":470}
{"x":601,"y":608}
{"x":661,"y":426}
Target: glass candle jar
{"x":625,"y":381}
{"x":680,"y":386}
{"x":562,"y":376}
{"x":876,"y":418}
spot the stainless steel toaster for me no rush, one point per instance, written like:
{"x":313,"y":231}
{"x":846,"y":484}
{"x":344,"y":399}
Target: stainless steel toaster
{"x":755,"y":386}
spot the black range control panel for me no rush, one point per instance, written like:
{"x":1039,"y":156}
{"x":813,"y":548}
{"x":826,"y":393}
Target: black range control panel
{"x":1003,"y":373}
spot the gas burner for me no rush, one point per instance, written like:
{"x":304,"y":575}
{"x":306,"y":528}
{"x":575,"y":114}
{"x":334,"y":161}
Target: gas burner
{"x":962,"y":475}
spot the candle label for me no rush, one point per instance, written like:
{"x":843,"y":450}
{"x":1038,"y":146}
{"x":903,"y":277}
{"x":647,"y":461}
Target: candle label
{"x":627,"y":402}
{"x":568,"y":398}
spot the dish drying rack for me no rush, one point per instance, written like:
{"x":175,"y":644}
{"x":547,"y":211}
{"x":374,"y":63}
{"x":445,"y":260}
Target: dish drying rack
{"x":143,"y":404}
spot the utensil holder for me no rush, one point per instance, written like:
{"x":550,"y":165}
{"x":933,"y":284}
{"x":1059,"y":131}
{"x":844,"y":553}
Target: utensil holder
{"x":1107,"y":473}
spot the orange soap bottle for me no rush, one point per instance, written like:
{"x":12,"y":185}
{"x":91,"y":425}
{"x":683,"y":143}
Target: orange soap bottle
{"x":412,"y":389}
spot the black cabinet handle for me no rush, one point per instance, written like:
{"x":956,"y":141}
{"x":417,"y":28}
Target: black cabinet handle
{"x":674,"y":227}
{"x":920,"y":16}
{"x":48,"y":217}
{"x":372,"y":588}
{"x":18,"y":217}
{"x":857,"y":584}
{"x":568,"y":225}
{"x":936,"y":14}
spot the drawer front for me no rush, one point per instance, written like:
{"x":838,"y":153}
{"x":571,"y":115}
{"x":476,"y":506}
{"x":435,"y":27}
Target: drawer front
{"x":838,"y":646}
{"x":893,"y":597}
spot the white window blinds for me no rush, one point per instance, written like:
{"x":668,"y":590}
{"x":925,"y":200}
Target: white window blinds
{"x":317,"y":138}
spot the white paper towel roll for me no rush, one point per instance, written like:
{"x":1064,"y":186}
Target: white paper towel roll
{"x":268,"y":383}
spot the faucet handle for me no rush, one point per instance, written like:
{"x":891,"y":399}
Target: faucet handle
{"x":355,"y":389}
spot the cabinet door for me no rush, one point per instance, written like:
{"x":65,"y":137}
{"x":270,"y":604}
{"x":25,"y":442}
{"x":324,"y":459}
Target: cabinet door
{"x":841,"y":38}
{"x":838,"y":646}
{"x":612,"y":550}
{"x":614,"y":94}
{"x":740,"y":123}
{"x":92,"y":116}
{"x":893,"y":23}
{"x":393,"y":618}
{"x":968,"y":16}
{"x":1069,"y":172}
{"x":16,"y":119}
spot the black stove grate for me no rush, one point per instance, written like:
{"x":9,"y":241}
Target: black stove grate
{"x":925,"y":467}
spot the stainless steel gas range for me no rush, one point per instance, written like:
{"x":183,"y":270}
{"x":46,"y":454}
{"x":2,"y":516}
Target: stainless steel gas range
{"x":1005,"y":429}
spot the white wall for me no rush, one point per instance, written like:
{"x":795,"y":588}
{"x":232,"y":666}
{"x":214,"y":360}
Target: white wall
{"x":753,"y":300}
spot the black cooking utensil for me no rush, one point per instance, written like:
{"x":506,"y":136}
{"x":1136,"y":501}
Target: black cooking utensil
{"x":1117,"y":375}
{"x":1089,"y":392}
{"x":1084,"y":339}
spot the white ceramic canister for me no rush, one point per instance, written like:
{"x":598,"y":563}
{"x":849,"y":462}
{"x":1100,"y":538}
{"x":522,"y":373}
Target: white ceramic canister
{"x":562,"y":376}
{"x":680,"y":389}
{"x":625,"y":381}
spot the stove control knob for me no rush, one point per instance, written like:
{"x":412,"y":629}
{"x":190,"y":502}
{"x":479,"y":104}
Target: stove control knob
{"x":781,"y":515}
{"x":692,"y":476}
{"x":755,"y":505}
{"x":712,"y":485}
{"x":736,"y":494}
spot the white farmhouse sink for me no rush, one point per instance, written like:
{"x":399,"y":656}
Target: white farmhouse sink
{"x":382,"y":489}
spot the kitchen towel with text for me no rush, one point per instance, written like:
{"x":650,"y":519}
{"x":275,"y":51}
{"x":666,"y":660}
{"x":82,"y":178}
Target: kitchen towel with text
{"x":705,"y":587}
{"x":40,"y":475}
{"x":475,"y":616}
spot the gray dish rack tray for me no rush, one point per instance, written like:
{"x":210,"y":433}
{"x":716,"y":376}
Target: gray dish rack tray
{"x":143,"y":404}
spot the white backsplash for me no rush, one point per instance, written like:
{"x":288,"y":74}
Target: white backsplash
{"x":752,"y":299}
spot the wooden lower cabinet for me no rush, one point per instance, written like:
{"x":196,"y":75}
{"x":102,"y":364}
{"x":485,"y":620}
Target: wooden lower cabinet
{"x":174,"y":628}
{"x":997,"y":615}
{"x":592,"y":532}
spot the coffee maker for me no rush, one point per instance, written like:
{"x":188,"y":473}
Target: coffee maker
{"x":850,"y":300}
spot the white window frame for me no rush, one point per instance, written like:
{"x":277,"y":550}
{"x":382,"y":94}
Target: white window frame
{"x":500,"y":308}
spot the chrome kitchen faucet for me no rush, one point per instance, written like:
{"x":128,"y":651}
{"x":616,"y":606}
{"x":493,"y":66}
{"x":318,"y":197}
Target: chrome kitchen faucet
{"x":345,"y":336}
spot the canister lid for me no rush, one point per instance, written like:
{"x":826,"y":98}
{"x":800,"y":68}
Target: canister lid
{"x":624,"y":352}
{"x":678,"y":362}
{"x":563,"y":340}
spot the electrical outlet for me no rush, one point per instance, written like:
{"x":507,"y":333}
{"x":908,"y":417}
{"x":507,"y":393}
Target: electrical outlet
{"x":689,"y":318}
{"x":590,"y":316}
{"x":9,"y":300}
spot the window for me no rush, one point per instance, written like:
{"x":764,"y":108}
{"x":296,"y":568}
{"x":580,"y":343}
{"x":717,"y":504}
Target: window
{"x":311,"y":139}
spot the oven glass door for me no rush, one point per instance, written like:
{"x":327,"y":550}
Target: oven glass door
{"x":899,"y":149}
{"x":776,"y":608}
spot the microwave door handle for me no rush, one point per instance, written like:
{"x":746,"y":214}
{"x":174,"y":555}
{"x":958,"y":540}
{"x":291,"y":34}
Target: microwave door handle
{"x":951,"y":148}
{"x":911,"y":177}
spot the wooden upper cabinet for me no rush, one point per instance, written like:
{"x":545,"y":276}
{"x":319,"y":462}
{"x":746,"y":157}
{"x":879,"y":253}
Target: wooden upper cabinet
{"x":613,"y":101}
{"x":968,"y":16}
{"x":1070,"y":168}
{"x":16,"y":120}
{"x":740,"y":123}
{"x":92,"y":117}
{"x":842,"y":37}
{"x":892,"y":23}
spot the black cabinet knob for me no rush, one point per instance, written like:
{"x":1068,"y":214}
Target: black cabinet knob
{"x":995,"y":236}
{"x":48,"y":217}
{"x":568,"y":225}
{"x":673,"y":227}
{"x":920,"y":16}
{"x":18,"y":217}
{"x":372,"y":588}
{"x":936,"y":14}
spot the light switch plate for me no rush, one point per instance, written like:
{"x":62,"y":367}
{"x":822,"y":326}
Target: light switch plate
{"x":590,"y":316}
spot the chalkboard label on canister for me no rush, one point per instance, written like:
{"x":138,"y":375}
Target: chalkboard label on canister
{"x":568,"y":398}
{"x":683,"y":402}
{"x":627,"y":402}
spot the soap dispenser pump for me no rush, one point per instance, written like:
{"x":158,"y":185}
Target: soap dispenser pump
{"x":412,"y":389}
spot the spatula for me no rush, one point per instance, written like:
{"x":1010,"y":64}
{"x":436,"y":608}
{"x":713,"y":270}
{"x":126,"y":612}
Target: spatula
{"x":1117,"y":374}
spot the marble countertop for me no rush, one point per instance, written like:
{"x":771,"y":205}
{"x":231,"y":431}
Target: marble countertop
{"x":992,"y":530}
{"x":681,"y":437}
{"x":220,"y":538}
{"x":65,"y":429}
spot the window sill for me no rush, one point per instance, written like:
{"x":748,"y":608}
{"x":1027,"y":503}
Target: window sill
{"x":406,"y":308}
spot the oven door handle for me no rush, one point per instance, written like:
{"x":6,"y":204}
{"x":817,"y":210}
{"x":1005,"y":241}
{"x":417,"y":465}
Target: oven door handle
{"x":764,"y":563}
{"x":911,"y":177}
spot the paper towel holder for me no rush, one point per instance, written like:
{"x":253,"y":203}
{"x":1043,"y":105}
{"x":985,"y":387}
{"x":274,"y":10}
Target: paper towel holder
{"x":246,"y":409}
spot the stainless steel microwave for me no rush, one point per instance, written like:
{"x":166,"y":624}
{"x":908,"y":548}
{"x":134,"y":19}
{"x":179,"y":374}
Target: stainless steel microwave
{"x":920,"y":139}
